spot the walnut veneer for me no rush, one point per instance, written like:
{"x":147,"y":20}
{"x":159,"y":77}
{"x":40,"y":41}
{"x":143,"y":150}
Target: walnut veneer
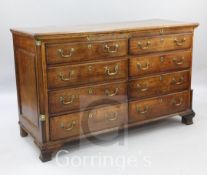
{"x":77,"y":82}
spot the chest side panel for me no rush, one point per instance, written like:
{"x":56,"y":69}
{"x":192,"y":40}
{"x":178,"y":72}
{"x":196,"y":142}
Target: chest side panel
{"x":26,"y":79}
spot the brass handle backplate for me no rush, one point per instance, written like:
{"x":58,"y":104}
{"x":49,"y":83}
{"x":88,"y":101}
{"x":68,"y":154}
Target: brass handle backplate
{"x":175,"y":103}
{"x":69,"y":127}
{"x":111,"y":49}
{"x":144,"y":111}
{"x":162,"y":59}
{"x":147,"y":46}
{"x":178,"y":82}
{"x":145,"y":67}
{"x":90,"y":91}
{"x":63,"y":78}
{"x":178,"y":62}
{"x":142,"y":88}
{"x":108,"y":72}
{"x":112,"y":117}
{"x":64,"y":102}
{"x":111,"y":94}
{"x":63,"y":55}
{"x":180,"y":42}
{"x":90,"y":115}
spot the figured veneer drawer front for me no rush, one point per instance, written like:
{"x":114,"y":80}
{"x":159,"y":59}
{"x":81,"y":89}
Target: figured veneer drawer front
{"x":155,"y":107}
{"x":161,"y":32}
{"x":144,"y":65}
{"x":87,"y":97}
{"x":87,"y":73}
{"x":78,"y":124}
{"x":160,"y":43}
{"x":159,"y":85}
{"x":76,"y":52}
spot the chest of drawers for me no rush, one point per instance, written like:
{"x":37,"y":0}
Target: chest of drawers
{"x":77,"y":82}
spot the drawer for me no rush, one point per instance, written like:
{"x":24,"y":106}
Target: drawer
{"x":76,"y":52}
{"x":160,"y":43}
{"x":162,"y":31}
{"x":87,"y":73}
{"x":144,"y":65}
{"x":77,"y":124}
{"x":156,"y":107}
{"x":159,"y":85}
{"x":87,"y":97}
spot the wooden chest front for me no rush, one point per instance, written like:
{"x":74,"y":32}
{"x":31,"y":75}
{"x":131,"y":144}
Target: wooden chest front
{"x":79,"y":83}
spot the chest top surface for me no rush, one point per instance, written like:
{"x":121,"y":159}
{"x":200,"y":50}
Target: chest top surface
{"x":103,"y":28}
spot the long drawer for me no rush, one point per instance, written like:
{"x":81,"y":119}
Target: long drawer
{"x":84,"y":51}
{"x":160,"y":43}
{"x":87,"y":97}
{"x":77,"y":124}
{"x":155,"y":107}
{"x":159,"y":84}
{"x":79,"y":74}
{"x":149,"y":64}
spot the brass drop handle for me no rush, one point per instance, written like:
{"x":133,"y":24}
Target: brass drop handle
{"x":116,"y":70}
{"x":175,"y":103}
{"x":178,"y":62}
{"x":140,"y":45}
{"x":109,"y":94}
{"x":113,"y":116}
{"x":69,"y":127}
{"x":111,"y":49}
{"x":179,"y":82}
{"x":142,"y":88}
{"x":63,"y":55}
{"x":63,"y":78}
{"x":64,"y":102}
{"x":110,"y":117}
{"x":140,"y":111}
{"x":180,"y":42}
{"x":145,"y":67}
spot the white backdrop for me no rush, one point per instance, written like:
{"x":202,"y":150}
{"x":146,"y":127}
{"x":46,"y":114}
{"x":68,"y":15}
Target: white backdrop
{"x":32,"y":13}
{"x":172,"y":148}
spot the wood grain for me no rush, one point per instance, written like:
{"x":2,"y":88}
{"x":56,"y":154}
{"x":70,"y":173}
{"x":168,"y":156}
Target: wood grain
{"x":159,"y":63}
{"x":119,"y":27}
{"x":88,"y":121}
{"x":87,"y":73}
{"x":159,"y":85}
{"x":88,"y":96}
{"x":86,"y":51}
{"x":78,"y":82}
{"x":160,"y":43}
{"x":155,"y":107}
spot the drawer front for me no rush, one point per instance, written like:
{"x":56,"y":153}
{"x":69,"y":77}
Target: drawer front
{"x":86,"y":97}
{"x":160,"y":43}
{"x":159,"y":85}
{"x":87,"y":73}
{"x":76,"y":52}
{"x":145,"y":65}
{"x":76,"y":124}
{"x":156,"y":107}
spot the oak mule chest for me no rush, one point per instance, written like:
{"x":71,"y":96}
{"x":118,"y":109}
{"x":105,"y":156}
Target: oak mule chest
{"x":78,"y":82}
